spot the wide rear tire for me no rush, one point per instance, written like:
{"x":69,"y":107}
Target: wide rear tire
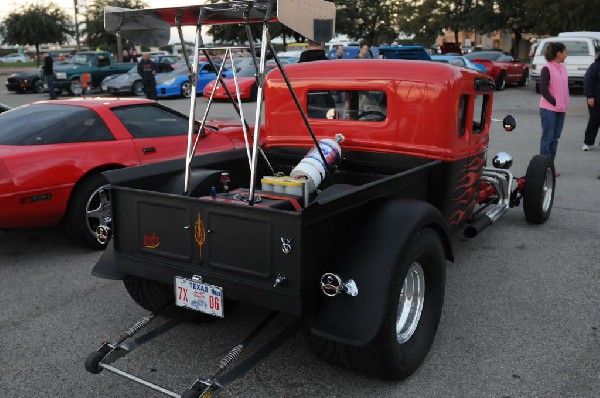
{"x":37,"y":86}
{"x":138,"y":88}
{"x":525,"y":78}
{"x":413,"y":312}
{"x":538,"y":195}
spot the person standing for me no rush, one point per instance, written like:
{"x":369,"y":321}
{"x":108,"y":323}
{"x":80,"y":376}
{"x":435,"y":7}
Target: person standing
{"x":147,"y":69}
{"x":314,"y":52}
{"x":364,"y":52}
{"x":49,"y":75}
{"x":128,"y":57}
{"x":591,"y":90}
{"x":554,"y":101}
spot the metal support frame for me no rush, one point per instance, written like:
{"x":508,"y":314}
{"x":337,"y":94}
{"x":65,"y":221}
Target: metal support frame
{"x":109,"y":353}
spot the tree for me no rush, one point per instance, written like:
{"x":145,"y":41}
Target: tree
{"x":35,"y":24}
{"x":97,"y":37}
{"x":372,"y":21}
{"x":563,"y":15}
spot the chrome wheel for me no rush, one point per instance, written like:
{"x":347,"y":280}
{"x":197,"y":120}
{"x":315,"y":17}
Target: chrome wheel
{"x":410,"y":306}
{"x":548,"y":188}
{"x":138,"y":88}
{"x":186,"y":89}
{"x":98,"y":209}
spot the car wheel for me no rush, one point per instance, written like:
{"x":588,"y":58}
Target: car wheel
{"x":89,"y":207}
{"x":138,"y":88}
{"x":413,"y":312}
{"x":525,"y":78}
{"x":538,"y":195}
{"x":37,"y":86}
{"x":186,"y":89}
{"x":75,"y":87}
{"x":501,"y":82}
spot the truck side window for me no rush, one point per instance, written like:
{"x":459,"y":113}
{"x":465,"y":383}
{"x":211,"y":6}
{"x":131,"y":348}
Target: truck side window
{"x":365,"y":105}
{"x":480,"y":113}
{"x":103,"y":61}
{"x":462,"y":114}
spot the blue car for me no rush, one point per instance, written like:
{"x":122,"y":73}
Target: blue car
{"x":459,"y":60}
{"x":177,"y":84}
{"x":419,"y":53}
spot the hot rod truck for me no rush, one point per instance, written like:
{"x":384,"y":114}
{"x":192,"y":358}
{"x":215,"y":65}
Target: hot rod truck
{"x":340,"y":214}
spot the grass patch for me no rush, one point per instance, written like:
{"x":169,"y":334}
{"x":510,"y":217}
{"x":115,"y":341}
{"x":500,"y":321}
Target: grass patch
{"x":17,"y":64}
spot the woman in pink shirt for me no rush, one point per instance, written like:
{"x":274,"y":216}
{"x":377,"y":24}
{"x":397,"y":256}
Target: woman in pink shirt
{"x":554,"y":87}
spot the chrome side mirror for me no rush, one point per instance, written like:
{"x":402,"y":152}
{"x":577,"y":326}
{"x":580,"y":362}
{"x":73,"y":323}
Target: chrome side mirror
{"x":502,"y":160}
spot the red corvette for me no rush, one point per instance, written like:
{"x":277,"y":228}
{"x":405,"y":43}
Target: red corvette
{"x":503,"y":68}
{"x":246,"y":82}
{"x":52,"y":154}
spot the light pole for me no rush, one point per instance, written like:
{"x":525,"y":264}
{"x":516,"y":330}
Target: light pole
{"x":78,"y":45}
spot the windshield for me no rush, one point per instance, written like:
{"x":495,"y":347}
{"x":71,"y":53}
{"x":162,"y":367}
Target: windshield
{"x":487,"y":55}
{"x":82,"y":59}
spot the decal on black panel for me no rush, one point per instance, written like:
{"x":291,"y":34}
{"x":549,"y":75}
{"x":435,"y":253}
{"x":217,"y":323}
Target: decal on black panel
{"x":199,"y":233}
{"x":286,"y":245}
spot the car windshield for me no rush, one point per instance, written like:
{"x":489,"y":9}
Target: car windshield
{"x":52,"y":124}
{"x":133,"y":70}
{"x":487,"y":55}
{"x":82,"y":59}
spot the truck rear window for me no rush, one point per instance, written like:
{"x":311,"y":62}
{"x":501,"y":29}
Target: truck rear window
{"x":360,"y":105}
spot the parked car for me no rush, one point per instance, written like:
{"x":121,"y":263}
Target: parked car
{"x":130,"y":82}
{"x":14,"y":58}
{"x":25,"y":81}
{"x":98,"y":64}
{"x":52,"y":154}
{"x":177,"y":83}
{"x":582,"y":52}
{"x":404,"y":52}
{"x":172,"y":60}
{"x":459,"y":60}
{"x":246,"y":80}
{"x":502,"y":67}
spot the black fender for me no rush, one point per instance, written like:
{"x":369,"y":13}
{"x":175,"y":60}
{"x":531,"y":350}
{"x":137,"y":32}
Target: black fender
{"x":106,"y":267}
{"x":368,"y":256}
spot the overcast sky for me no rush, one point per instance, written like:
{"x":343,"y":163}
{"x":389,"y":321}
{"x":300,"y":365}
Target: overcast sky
{"x":6,"y":6}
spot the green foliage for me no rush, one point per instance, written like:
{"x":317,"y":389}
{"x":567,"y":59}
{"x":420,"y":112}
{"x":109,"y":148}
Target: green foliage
{"x":371,"y":21}
{"x":97,"y":37}
{"x":552,"y":17}
{"x":34,"y":24}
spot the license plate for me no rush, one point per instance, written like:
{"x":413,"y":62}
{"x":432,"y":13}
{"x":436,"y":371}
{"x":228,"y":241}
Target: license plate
{"x":61,"y":75}
{"x":199,"y":296}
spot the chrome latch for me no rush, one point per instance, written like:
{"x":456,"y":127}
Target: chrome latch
{"x":280,"y":280}
{"x":332,"y":285}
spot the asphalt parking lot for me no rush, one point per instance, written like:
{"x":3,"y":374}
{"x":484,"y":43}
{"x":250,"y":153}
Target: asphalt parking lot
{"x":520,"y":319}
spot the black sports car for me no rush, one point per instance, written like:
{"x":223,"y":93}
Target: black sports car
{"x":25,"y":81}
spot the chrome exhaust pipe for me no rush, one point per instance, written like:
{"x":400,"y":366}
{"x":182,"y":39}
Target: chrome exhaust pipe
{"x":490,"y":217}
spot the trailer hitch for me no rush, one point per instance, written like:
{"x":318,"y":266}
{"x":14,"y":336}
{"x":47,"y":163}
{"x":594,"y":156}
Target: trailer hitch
{"x":108,"y":353}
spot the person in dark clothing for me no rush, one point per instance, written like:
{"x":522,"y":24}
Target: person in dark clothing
{"x":339,"y":52}
{"x":315,"y":52}
{"x":147,"y":69}
{"x":49,"y":75}
{"x":129,"y":57}
{"x":591,"y":89}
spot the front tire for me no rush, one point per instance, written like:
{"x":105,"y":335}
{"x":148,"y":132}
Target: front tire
{"x":538,"y":195}
{"x":186,"y":89}
{"x":38,"y":86}
{"x":501,"y":82}
{"x":525,"y":78}
{"x":138,"y":88}
{"x":413,"y":312}
{"x":89,"y":206}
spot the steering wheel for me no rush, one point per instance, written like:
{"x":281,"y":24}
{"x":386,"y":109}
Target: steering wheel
{"x":375,"y":115}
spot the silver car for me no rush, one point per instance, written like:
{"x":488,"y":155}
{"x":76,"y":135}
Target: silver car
{"x":130,"y":82}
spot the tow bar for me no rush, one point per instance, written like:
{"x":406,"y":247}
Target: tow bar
{"x":108,"y":353}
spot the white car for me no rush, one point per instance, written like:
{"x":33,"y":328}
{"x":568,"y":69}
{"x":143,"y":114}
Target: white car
{"x":581,"y":53}
{"x":15,"y":57}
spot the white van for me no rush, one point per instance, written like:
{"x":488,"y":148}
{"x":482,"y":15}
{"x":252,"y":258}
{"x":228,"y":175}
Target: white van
{"x":582,"y":51}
